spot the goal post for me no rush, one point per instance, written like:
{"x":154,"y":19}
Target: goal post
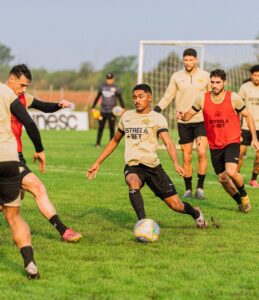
{"x":158,"y":60}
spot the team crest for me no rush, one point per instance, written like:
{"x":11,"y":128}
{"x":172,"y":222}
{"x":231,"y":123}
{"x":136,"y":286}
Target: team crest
{"x":217,"y":113}
{"x":145,"y":121}
{"x":113,"y":89}
{"x":200,"y":80}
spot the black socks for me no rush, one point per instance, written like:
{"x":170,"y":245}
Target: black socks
{"x":55,"y":221}
{"x":201,"y":179}
{"x":27,"y":254}
{"x":137,"y":203}
{"x":188,"y":183}
{"x":189,"y":210}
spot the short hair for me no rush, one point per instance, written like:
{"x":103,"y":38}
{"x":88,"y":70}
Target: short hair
{"x":144,"y":87}
{"x":19,"y":70}
{"x":254,"y":69}
{"x":219,"y":73}
{"x":190,"y":52}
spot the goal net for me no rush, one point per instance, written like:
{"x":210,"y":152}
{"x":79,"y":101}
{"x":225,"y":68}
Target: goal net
{"x":158,"y":60}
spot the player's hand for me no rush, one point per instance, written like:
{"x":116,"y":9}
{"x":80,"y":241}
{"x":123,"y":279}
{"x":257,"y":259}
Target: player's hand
{"x":40,"y":156}
{"x":179,"y":115}
{"x":255,"y":145}
{"x":64,"y":104}
{"x":92,"y":171}
{"x":179,"y":170}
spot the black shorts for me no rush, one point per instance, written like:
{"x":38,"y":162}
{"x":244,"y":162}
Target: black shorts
{"x":24,"y":169}
{"x":10,"y":181}
{"x":219,"y":157}
{"x":156,"y":178}
{"x":247,"y":137}
{"x":190,"y":131}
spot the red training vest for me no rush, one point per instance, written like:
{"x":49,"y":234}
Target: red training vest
{"x":221,"y":121}
{"x":17,"y":125}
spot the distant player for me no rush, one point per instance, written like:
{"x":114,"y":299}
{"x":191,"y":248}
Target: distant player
{"x":249,"y":91}
{"x":10,"y":179}
{"x":141,"y":128}
{"x":109,"y":92}
{"x":19,"y":79}
{"x":185,"y":85}
{"x":221,"y":111}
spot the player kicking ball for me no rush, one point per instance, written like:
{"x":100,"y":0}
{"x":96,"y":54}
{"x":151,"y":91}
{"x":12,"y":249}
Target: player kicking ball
{"x":142,"y":127}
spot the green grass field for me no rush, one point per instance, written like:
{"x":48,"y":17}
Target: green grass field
{"x":108,"y":263}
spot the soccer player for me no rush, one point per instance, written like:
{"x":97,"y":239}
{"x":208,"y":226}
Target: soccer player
{"x":221,"y":111}
{"x":141,"y":128}
{"x":249,"y":91}
{"x":109,"y":93}
{"x":10,"y":179}
{"x":184,"y":86}
{"x":19,"y":79}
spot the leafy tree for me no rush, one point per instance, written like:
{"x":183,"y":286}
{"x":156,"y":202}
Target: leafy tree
{"x":5,"y":55}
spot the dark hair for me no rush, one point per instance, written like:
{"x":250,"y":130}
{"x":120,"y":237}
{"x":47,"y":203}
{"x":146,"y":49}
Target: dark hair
{"x":254,"y":69}
{"x":219,"y":73}
{"x":20,"y":70}
{"x":144,"y":87}
{"x":190,"y":52}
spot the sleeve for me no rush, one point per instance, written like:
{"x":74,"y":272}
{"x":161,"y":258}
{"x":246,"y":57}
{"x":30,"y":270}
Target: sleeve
{"x":119,"y":96}
{"x":208,"y":87}
{"x":121,"y":124}
{"x":169,"y":94}
{"x":29,"y":99}
{"x":198,"y":103}
{"x":162,"y":124}
{"x":237,"y":102}
{"x":22,"y":115}
{"x":97,"y":97}
{"x":46,"y":107}
{"x":8,"y":94}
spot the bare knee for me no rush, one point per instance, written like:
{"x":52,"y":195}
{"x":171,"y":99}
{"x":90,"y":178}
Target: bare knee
{"x":133,"y":181}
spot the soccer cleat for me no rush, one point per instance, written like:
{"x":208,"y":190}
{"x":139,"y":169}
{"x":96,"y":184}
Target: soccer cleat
{"x":200,"y":221}
{"x":254,"y":184}
{"x":32,"y":271}
{"x":199,"y":194}
{"x":245,"y":206}
{"x":71,"y":236}
{"x":187,"y":194}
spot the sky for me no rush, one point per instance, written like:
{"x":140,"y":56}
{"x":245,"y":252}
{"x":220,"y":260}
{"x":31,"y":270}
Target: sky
{"x":62,"y":34}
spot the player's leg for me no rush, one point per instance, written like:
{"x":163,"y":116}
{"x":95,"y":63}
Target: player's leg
{"x":21,"y":235}
{"x":201,"y":148}
{"x":134,"y":182}
{"x":186,"y":143}
{"x":112,"y":120}
{"x":163,"y":187}
{"x":32,"y":184}
{"x":218,"y":162}
{"x":243,"y":149}
{"x":255,"y":173}
{"x":101,"y":122}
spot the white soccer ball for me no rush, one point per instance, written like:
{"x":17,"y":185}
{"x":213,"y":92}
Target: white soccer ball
{"x":117,"y":111}
{"x":146,"y":230}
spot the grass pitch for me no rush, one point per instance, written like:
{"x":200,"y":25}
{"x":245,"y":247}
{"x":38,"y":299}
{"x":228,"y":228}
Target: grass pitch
{"x":108,"y":263}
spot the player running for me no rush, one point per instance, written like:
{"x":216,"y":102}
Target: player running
{"x":221,"y":111}
{"x":18,"y":80}
{"x":10,"y":179}
{"x":141,"y":128}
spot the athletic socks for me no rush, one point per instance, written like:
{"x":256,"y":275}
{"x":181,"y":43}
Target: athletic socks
{"x":201,"y":179}
{"x":188,"y":183}
{"x":55,"y":221}
{"x":237,"y":198}
{"x":137,"y":203}
{"x":27,"y":254}
{"x":242,"y":191}
{"x":254,"y":176}
{"x":189,"y":210}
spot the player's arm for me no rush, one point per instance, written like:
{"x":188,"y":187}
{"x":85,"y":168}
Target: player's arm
{"x":22,"y":115}
{"x":196,"y":107}
{"x":97,"y":98}
{"x":119,"y":96}
{"x":251,"y":125}
{"x":170,"y":146}
{"x":168,"y":96}
{"x":49,"y":107}
{"x":92,"y":171}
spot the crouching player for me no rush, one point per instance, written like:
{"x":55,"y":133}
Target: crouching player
{"x":141,"y":128}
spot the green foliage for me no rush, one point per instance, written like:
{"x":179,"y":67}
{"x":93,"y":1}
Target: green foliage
{"x":5,"y":55}
{"x":108,"y":263}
